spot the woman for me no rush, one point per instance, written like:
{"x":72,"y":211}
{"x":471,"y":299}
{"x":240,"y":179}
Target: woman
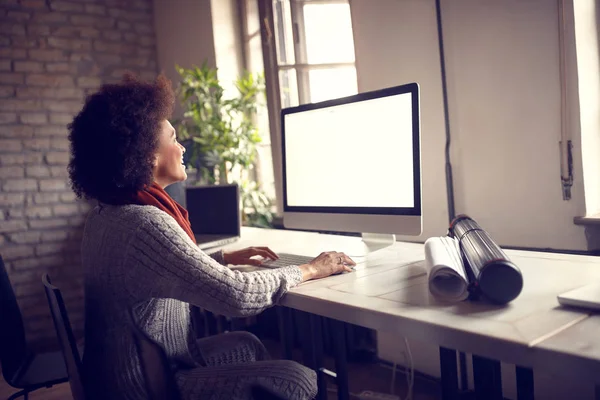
{"x":139,"y":254}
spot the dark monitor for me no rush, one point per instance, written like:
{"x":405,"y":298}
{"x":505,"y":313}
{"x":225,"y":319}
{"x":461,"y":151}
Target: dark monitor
{"x":214,"y":212}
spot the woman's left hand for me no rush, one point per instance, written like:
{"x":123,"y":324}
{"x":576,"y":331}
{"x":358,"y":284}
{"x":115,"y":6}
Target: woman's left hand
{"x":243,"y":257}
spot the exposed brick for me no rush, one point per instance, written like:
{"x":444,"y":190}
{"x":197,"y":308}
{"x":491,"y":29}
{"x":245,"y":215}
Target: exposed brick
{"x":20,"y":185}
{"x":12,"y":53}
{"x":70,"y":106}
{"x":2,"y":217}
{"x":95,"y":21}
{"x":126,"y":15}
{"x":12,"y":29}
{"x":7,"y":91}
{"x":66,"y":6}
{"x":53,"y":236}
{"x":115,"y":48}
{"x":59,"y":172}
{"x":11,"y":199}
{"x":88,"y":82}
{"x":20,"y":16}
{"x":30,"y":263}
{"x":39,"y":4}
{"x":51,"y":17}
{"x":109,"y":59}
{"x":15,"y":252}
{"x":12,"y":172}
{"x":4,"y":41}
{"x":37,"y":171}
{"x":53,"y":93}
{"x":5,"y":65}
{"x":20,"y":105}
{"x":70,"y":44}
{"x":48,"y":223}
{"x":53,"y":55}
{"x":59,"y":144}
{"x":8,"y":118}
{"x":37,"y":30}
{"x":58,"y":67}
{"x":25,"y":42}
{"x":123,"y":25}
{"x":68,"y":197}
{"x":34,"y":118}
{"x":45,"y":198}
{"x":95,"y":9}
{"x":16,"y":213}
{"x":50,"y":130}
{"x":143,"y":28}
{"x":2,"y":240}
{"x":64,"y":210}
{"x":19,"y":131}
{"x":25,"y":237}
{"x":38,"y":212}
{"x":50,"y":185}
{"x":12,"y":78}
{"x":49,"y":80}
{"x":20,"y":159}
{"x":37,"y":144}
{"x":28,"y":66}
{"x":147,"y":41}
{"x":112,"y":35}
{"x":10,"y":145}
{"x":60,"y":119}
{"x":13,"y":226}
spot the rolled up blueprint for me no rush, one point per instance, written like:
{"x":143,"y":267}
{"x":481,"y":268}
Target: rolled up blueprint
{"x":446,"y":273}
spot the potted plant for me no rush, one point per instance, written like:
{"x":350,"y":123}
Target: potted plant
{"x":220,"y":136}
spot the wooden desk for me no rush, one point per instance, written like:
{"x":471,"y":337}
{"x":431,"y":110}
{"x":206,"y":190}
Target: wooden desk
{"x":388,"y":292}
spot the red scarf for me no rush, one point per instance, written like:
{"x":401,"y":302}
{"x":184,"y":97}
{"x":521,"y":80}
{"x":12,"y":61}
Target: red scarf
{"x":156,"y":196}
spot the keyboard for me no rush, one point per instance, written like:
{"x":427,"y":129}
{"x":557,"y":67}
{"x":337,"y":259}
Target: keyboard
{"x":286,"y":260}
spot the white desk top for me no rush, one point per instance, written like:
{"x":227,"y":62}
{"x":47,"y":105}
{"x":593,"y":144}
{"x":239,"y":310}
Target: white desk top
{"x":388,"y":291}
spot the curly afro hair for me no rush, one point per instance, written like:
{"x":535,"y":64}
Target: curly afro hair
{"x":114,"y":138}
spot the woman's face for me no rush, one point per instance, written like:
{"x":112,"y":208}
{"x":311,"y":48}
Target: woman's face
{"x":168,"y":167}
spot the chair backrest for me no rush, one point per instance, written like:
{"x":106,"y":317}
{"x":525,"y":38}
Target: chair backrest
{"x":158,"y":376}
{"x":13,"y":345}
{"x":65,"y":337}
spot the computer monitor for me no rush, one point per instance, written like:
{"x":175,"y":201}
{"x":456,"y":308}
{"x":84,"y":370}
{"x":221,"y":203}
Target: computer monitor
{"x":353,"y":165}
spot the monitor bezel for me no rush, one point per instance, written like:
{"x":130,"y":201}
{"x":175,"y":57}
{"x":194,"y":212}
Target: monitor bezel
{"x":416,"y":210}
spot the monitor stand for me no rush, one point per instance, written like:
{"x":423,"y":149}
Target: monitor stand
{"x":367,"y":244}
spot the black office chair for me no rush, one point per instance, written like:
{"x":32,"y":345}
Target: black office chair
{"x":21,"y":368}
{"x":158,"y":377}
{"x":65,"y":337}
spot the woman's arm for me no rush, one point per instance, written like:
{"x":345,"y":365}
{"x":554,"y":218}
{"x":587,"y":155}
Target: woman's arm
{"x":163,"y":262}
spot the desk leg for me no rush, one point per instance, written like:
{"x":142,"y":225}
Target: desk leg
{"x":597,"y":392}
{"x":316,"y":332}
{"x":449,"y":372}
{"x":338,"y":331}
{"x":286,"y":331}
{"x":524,"y":383}
{"x":487,"y":378}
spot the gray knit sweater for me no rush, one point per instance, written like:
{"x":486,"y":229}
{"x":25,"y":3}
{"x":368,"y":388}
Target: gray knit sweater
{"x":139,"y":258}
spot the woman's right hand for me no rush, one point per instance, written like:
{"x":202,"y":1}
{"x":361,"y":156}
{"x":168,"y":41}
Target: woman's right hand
{"x":325,"y":264}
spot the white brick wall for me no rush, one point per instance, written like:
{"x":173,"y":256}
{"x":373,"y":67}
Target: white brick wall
{"x":52,"y":54}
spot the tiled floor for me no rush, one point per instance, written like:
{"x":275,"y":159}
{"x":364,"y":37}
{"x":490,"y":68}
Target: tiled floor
{"x":372,"y":377}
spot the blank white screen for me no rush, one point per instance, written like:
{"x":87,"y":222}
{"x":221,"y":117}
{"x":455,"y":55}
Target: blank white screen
{"x":351,"y":155}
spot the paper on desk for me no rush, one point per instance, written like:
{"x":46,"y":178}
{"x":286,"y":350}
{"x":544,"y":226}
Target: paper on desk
{"x":446,"y":272}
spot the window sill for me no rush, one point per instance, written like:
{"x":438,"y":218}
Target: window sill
{"x":592,"y":220}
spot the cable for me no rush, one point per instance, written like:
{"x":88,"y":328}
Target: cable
{"x":393,"y":383}
{"x":410,"y":377}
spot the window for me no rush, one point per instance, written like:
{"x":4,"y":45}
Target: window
{"x":315,"y":50}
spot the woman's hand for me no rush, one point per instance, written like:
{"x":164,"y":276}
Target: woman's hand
{"x":326,"y":264}
{"x":243,"y":257}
